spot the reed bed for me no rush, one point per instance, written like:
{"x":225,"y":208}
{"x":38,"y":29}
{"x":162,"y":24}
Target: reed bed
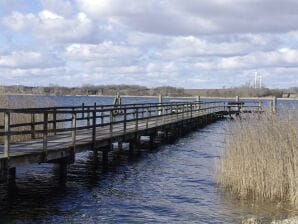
{"x":260,"y":159}
{"x":23,"y":102}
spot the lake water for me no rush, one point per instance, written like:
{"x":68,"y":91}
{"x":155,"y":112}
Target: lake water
{"x":172,"y":184}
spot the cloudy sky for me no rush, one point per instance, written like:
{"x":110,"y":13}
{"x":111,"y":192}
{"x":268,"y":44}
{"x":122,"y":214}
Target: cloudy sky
{"x":183,"y":43}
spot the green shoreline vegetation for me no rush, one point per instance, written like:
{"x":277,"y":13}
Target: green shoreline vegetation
{"x":260,"y":158}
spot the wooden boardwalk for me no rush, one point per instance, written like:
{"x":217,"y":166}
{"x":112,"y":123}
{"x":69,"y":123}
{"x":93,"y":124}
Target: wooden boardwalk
{"x":56,"y":134}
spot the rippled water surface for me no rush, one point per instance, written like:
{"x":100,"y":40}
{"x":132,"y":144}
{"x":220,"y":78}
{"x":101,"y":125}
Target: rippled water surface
{"x":172,"y":184}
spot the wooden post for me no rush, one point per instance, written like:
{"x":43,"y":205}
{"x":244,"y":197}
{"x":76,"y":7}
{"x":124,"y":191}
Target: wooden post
{"x":160,"y":99}
{"x":156,"y":114}
{"x":60,"y":170}
{"x":11,"y":177}
{"x":45,"y":134}
{"x":111,"y":123}
{"x":101,"y":115}
{"x":198,"y":101}
{"x":120,"y":146}
{"x":131,"y":147}
{"x":124,"y":120}
{"x":163,"y":115}
{"x":55,"y":121}
{"x":147,"y":118}
{"x":7,"y":133}
{"x":274,"y":105}
{"x":73,"y":132}
{"x":260,"y":106}
{"x":105,"y":156}
{"x":88,"y":116}
{"x":33,"y":126}
{"x":160,"y":104}
{"x":238,"y":106}
{"x":151,"y":142}
{"x":177,"y":111}
{"x":137,"y":119}
{"x":94,"y":125}
{"x":83,"y":112}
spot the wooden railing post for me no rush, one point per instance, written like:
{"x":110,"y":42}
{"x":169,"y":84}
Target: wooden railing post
{"x":45,"y":134}
{"x":88,"y":116}
{"x":74,"y":129}
{"x":33,"y":126}
{"x":124,"y":120}
{"x":137,"y":119}
{"x":83,"y":110}
{"x":177,"y":111}
{"x":163,"y":114}
{"x":111,"y":123}
{"x":156,"y":115}
{"x":55,"y":121}
{"x":160,"y":101}
{"x":101,"y":115}
{"x":134,"y":113}
{"x":7,"y":133}
{"x":191,"y":110}
{"x":94,"y":125}
{"x":238,"y":105}
{"x":147,"y":117}
{"x":260,"y":106}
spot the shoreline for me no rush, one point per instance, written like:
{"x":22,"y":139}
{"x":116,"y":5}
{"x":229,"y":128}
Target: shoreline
{"x":170,"y":97}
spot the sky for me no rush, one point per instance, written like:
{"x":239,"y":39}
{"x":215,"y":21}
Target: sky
{"x":180,"y":43}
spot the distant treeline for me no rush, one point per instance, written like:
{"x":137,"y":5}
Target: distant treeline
{"x":136,"y":90}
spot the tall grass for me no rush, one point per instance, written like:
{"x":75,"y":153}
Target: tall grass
{"x":260,"y":159}
{"x":16,"y":118}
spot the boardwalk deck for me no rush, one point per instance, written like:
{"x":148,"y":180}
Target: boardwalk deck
{"x":62,"y":132}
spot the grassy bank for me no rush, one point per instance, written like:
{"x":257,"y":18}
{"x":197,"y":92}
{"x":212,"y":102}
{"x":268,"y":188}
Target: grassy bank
{"x":260,"y":159}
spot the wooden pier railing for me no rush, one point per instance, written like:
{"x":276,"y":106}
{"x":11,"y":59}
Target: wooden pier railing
{"x":31,"y":135}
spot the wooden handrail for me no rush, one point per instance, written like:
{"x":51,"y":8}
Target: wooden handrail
{"x":73,"y":117}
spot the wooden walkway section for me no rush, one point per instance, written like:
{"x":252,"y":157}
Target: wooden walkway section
{"x":56,"y":134}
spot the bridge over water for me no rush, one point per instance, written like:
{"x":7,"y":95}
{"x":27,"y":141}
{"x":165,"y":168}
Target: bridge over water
{"x":56,"y":134}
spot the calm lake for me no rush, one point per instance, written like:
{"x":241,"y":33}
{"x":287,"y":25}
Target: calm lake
{"x":172,"y":184}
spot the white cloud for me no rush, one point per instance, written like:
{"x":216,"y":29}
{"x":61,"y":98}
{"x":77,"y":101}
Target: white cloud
{"x":105,"y":54}
{"x":283,"y":57}
{"x":61,"y":7}
{"x":18,"y":21}
{"x":23,"y":59}
{"x":51,"y":26}
{"x":176,"y":17}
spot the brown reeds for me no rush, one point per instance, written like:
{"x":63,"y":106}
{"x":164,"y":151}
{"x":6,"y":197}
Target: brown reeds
{"x":260,"y":159}
{"x":17,"y":118}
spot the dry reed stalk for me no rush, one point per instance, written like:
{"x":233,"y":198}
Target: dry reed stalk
{"x":260,"y":159}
